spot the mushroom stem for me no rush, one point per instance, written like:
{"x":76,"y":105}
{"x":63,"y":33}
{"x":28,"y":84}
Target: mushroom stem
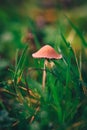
{"x":44,"y":75}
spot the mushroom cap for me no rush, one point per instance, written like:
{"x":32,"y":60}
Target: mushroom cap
{"x":47,"y":52}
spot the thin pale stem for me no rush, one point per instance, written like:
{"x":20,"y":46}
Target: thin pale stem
{"x":44,"y":76}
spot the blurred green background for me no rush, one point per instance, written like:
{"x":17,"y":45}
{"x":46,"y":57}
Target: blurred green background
{"x":20,"y":19}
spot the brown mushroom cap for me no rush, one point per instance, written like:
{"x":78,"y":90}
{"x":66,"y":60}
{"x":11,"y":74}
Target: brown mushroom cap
{"x":47,"y":52}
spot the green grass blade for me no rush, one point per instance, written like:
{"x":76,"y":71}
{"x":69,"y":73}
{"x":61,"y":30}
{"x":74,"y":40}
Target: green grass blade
{"x":57,"y":103}
{"x":16,"y":59}
{"x":33,"y":28}
{"x":20,"y":64}
{"x":79,"y":33}
{"x":63,"y":38}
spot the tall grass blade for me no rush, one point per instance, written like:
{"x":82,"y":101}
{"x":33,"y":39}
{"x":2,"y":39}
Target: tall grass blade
{"x":79,"y":33}
{"x":20,"y":64}
{"x":33,"y":28}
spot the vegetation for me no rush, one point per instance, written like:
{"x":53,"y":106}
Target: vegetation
{"x":24,"y":104}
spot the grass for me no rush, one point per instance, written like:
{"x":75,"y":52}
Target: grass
{"x":61,"y":106}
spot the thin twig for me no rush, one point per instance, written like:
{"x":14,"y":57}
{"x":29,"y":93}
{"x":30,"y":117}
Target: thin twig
{"x":32,"y":118}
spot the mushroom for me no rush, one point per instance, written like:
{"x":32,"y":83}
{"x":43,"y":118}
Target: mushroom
{"x":46,"y":52}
